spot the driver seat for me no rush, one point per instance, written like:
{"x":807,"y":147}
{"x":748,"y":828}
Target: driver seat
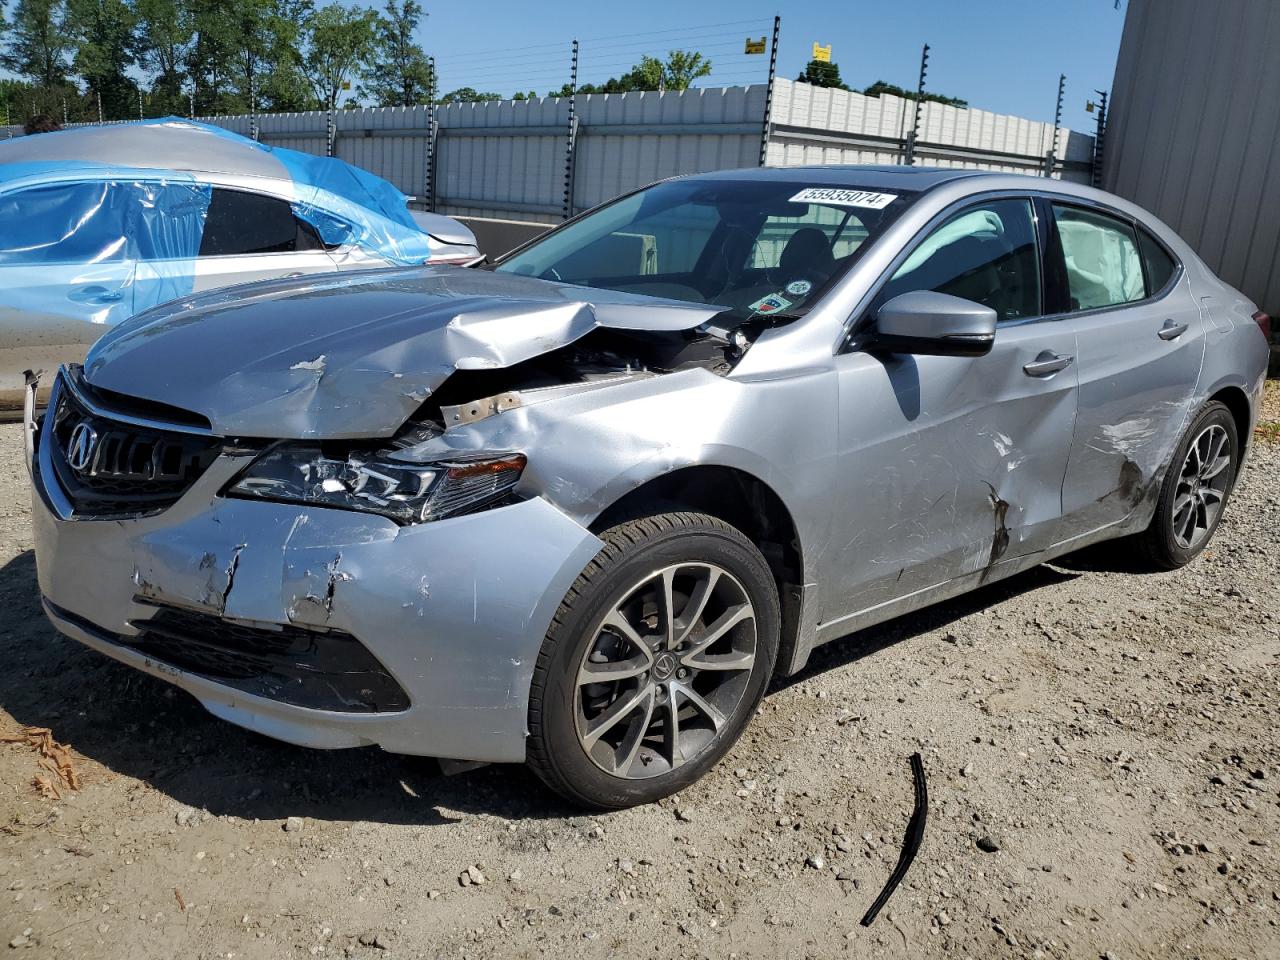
{"x":808,"y":252}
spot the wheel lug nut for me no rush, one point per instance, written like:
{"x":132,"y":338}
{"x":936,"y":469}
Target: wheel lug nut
{"x":682,"y":673}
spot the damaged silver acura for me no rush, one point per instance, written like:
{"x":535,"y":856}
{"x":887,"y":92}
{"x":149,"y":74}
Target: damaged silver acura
{"x":576,"y":508}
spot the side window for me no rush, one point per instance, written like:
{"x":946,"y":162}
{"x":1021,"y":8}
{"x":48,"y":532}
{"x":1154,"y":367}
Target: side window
{"x":1160,"y":266}
{"x":1102,"y":263}
{"x":986,"y":253}
{"x":240,"y":223}
{"x":66,"y":223}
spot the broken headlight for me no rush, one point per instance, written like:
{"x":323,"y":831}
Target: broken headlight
{"x":373,"y":483}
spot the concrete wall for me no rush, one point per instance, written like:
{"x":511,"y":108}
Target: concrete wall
{"x":1194,"y":131}
{"x":496,"y":237}
{"x":508,"y":160}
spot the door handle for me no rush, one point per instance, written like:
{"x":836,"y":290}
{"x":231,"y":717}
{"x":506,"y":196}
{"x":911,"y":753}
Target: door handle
{"x":1171,"y":330}
{"x":1047,"y":363}
{"x":291,"y":276}
{"x":96,"y":294}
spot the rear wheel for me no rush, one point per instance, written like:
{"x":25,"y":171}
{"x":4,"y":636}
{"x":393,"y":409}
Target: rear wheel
{"x":1194,"y":492}
{"x":655,"y":661}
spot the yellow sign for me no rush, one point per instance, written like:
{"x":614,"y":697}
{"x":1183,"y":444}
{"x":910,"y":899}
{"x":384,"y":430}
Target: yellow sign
{"x":346,"y":84}
{"x":754,"y":46}
{"x":822,"y":54}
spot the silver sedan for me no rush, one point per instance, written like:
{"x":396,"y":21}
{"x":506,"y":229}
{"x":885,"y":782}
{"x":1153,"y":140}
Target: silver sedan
{"x":576,"y":508}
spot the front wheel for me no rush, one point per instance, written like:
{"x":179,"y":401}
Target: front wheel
{"x":1195,"y":490}
{"x":654,"y":663}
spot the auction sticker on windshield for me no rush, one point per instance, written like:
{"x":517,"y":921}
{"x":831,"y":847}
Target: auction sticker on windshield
{"x":845,"y":198}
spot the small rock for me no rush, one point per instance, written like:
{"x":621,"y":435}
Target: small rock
{"x":966,"y":770}
{"x":293,"y":824}
{"x":473,"y":875}
{"x":987,"y":845}
{"x":683,"y":816}
{"x":515,"y":875}
{"x":815,"y":861}
{"x":944,"y":918}
{"x":21,"y":940}
{"x":627,"y":867}
{"x":375,"y":940}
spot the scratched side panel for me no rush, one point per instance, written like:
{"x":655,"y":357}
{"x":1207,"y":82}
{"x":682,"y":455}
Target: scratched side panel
{"x":948,"y":465}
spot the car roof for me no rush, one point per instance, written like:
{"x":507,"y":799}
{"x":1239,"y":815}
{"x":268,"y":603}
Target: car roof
{"x":165,"y":145}
{"x":881,"y":177}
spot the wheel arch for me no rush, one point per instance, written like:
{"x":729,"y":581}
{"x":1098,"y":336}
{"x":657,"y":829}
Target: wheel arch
{"x":745,"y":502}
{"x":1237,"y":401}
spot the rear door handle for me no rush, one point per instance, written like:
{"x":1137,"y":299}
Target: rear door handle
{"x":96,"y":294}
{"x":1047,"y":363}
{"x":1171,"y":330}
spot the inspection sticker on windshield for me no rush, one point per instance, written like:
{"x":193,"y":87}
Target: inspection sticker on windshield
{"x":773,"y":303}
{"x":845,"y":198}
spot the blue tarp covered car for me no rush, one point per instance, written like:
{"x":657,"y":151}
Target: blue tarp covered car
{"x":100,"y":223}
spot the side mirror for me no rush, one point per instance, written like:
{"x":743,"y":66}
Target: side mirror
{"x":936,"y":324}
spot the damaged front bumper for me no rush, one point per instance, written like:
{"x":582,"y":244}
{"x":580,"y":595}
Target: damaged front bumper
{"x":324,"y":628}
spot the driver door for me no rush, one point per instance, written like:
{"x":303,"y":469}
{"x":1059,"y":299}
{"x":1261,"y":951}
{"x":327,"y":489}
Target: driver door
{"x":953,"y":466}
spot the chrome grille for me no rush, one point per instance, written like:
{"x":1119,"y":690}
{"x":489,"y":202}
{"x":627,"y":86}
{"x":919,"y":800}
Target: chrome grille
{"x":111,"y":469}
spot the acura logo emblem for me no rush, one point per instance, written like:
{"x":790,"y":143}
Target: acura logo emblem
{"x":81,"y":446}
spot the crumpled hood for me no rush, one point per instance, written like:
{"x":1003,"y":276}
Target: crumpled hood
{"x":352,"y":355}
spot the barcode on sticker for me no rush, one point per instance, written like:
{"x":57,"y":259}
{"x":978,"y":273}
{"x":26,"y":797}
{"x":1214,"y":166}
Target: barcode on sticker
{"x":845,"y":198}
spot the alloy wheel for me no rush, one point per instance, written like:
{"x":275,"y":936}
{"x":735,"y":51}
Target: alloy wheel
{"x":1201,"y":487}
{"x":666,"y":668}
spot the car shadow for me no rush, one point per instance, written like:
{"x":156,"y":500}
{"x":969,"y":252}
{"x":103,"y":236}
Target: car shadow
{"x":141,"y":727}
{"x":871,"y":640}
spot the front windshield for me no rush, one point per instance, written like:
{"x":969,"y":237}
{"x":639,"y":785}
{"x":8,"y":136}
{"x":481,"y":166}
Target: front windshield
{"x":753,"y":247}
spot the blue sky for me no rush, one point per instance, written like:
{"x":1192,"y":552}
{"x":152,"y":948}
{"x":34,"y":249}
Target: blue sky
{"x":1001,"y":55}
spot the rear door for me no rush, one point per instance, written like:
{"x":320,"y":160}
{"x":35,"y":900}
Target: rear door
{"x":66,"y":273}
{"x":252,"y":236}
{"x":1140,"y":344}
{"x":950,"y":466}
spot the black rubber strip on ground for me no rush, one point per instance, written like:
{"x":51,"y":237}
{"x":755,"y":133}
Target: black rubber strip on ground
{"x":911,"y":842}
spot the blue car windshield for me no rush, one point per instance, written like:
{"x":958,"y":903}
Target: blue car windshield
{"x":754,"y":247}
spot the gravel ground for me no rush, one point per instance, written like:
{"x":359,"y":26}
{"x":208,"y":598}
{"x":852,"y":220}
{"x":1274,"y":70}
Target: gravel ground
{"x":1110,"y":738}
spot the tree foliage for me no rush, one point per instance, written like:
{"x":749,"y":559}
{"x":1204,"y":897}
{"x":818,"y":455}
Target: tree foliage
{"x":880,"y":87}
{"x":207,"y":57}
{"x":398,"y":73}
{"x":677,"y":72}
{"x":821,"y":74}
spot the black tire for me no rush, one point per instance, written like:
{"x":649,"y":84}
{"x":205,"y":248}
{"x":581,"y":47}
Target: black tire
{"x":1158,"y":548}
{"x":555,"y":752}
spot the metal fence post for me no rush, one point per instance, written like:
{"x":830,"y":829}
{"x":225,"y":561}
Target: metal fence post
{"x":909,"y":157}
{"x":253,"y":107}
{"x":767,"y":124}
{"x":1051,"y":159}
{"x":571,"y":141}
{"x":1099,"y":139}
{"x":329,"y":126}
{"x":432,"y":134}
{"x":99,"y":95}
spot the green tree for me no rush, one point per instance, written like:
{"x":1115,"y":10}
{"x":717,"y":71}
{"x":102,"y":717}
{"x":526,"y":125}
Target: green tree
{"x":468,"y":95}
{"x":166,"y":32}
{"x":337,"y":42}
{"x":105,"y":47}
{"x":39,"y":42}
{"x":398,"y":74}
{"x":677,"y":72}
{"x":821,"y":74}
{"x":683,"y":67}
{"x":880,"y":87}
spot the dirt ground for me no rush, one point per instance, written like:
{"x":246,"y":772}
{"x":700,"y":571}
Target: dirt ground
{"x":1112,"y":734}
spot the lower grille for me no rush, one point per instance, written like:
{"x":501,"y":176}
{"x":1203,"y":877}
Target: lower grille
{"x":112,"y":469}
{"x":317,"y":669}
{"x":322,"y":670}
